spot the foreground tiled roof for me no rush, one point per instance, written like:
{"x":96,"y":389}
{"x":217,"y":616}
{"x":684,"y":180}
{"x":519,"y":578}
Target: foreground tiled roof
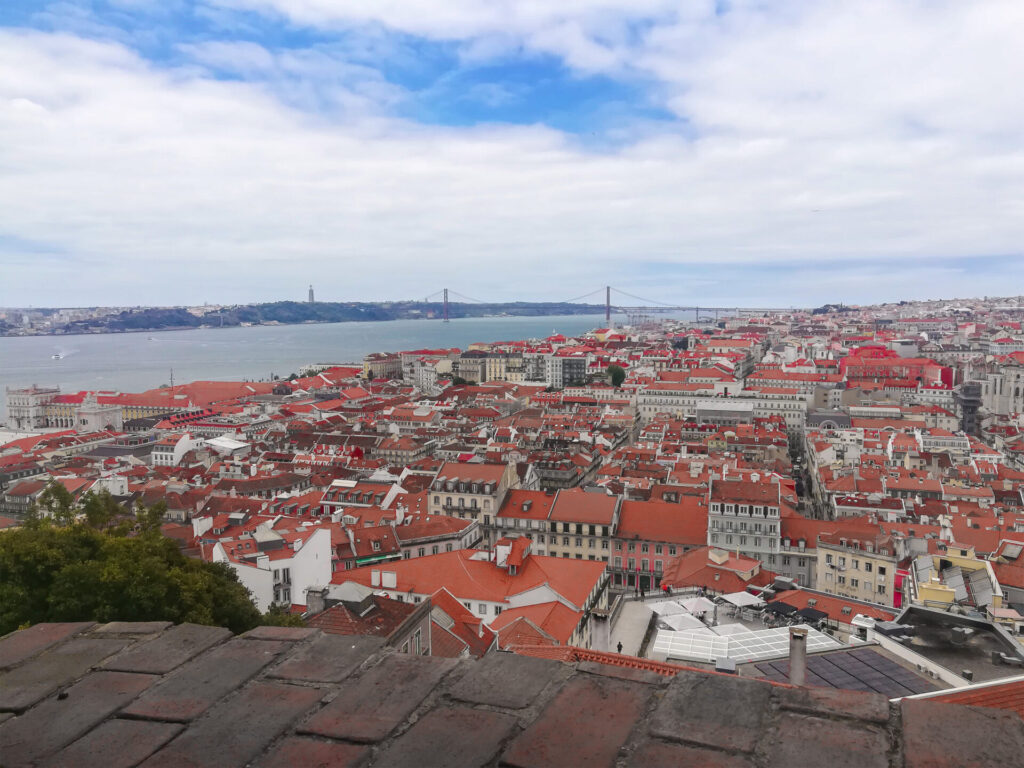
{"x":150,"y":694}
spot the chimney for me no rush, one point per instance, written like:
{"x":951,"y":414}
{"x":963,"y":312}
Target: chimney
{"x":797,"y":655}
{"x":316,"y":600}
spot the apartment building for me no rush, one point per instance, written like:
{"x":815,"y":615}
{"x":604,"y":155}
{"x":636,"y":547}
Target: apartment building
{"x":864,"y":569}
{"x":744,"y":516}
{"x":382,"y":365}
{"x":699,"y":402}
{"x":471,"y":492}
{"x":581,"y":524}
{"x":650,"y":534}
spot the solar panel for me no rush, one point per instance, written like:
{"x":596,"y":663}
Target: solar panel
{"x":981,"y":587}
{"x":860,"y":669}
{"x":954,"y":579}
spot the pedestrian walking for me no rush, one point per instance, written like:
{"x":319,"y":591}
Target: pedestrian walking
{"x":619,"y":646}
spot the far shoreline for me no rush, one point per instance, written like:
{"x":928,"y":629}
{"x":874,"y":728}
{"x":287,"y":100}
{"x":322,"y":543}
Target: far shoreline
{"x":283,"y":325}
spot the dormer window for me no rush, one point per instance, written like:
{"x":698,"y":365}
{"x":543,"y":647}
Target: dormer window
{"x":376,"y":546}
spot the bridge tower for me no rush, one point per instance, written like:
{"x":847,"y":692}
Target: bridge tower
{"x":608,"y":306}
{"x":446,"y":305}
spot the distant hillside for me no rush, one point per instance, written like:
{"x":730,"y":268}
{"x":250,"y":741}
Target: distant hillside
{"x":293,"y":312}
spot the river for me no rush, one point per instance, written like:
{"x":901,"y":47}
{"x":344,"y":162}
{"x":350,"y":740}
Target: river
{"x":134,"y":362}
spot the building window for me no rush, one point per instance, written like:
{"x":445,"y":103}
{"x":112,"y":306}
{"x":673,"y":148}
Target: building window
{"x":881,"y":589}
{"x":579,"y":542}
{"x":632,"y":563}
{"x":618,"y":562}
{"x":644,"y":565}
{"x":565,"y":541}
{"x":671,"y":549}
{"x":867,"y":567}
{"x":881,"y":570}
{"x":604,"y":544}
{"x":631,"y":547}
{"x":854,"y":583}
{"x":421,"y":551}
{"x":644,"y":548}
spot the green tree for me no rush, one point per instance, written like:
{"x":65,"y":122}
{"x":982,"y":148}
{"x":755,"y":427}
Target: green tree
{"x":50,"y":572}
{"x":279,"y":617}
{"x":617,"y":374}
{"x":58,"y":503}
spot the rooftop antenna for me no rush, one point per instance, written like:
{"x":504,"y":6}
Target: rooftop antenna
{"x":172,"y":378}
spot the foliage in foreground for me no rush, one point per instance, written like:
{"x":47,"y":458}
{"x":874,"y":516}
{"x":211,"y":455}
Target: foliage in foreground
{"x":105,"y":563}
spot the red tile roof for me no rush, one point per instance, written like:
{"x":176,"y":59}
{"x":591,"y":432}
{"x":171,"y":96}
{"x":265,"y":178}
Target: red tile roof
{"x":833,"y":605}
{"x":1004,"y":695}
{"x":554,"y":619}
{"x":381,"y":620}
{"x":470,"y":579}
{"x":576,"y":505}
{"x":684,"y":523}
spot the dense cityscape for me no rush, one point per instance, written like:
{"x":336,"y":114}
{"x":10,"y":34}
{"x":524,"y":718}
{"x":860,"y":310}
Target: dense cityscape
{"x":511,"y":384}
{"x":664,"y":497}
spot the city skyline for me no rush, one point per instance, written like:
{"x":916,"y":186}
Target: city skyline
{"x":719,"y":153}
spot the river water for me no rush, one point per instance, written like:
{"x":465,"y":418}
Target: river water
{"x":133,"y":362}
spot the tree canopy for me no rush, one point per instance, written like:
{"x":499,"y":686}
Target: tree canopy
{"x":97,"y":561}
{"x":617,"y":374}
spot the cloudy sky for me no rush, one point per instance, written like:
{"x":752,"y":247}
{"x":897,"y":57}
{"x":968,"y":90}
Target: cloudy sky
{"x":755,"y":152}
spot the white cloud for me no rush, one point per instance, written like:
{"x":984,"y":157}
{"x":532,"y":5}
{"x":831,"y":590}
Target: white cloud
{"x":828,"y":131}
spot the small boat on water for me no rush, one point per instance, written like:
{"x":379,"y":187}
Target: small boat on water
{"x":58,"y":356}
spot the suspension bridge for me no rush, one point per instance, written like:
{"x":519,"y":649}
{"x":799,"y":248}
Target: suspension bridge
{"x":445,"y":296}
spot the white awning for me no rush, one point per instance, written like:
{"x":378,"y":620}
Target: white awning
{"x":742,"y":599}
{"x":698,"y":605}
